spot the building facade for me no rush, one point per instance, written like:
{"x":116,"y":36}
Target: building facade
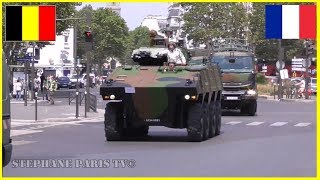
{"x":57,"y":58}
{"x":115,"y":7}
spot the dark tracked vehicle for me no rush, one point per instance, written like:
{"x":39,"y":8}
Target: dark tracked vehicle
{"x":153,"y":93}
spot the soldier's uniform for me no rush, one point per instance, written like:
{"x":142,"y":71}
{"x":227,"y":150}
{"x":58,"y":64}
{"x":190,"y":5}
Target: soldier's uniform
{"x":175,"y":55}
{"x":52,"y":84}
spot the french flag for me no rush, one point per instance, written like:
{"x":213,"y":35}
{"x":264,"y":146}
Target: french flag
{"x":290,"y":22}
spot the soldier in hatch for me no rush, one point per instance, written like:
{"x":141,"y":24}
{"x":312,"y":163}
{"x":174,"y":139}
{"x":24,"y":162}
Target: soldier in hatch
{"x":174,"y":55}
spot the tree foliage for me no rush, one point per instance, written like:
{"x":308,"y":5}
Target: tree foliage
{"x":109,"y":34}
{"x":205,"y":21}
{"x":137,"y":38}
{"x":63,"y":10}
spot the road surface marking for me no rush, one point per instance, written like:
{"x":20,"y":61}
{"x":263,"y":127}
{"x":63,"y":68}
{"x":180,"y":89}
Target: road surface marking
{"x":234,"y":122}
{"x":254,"y":123}
{"x":16,"y":143}
{"x":302,"y":124}
{"x":279,"y":124}
{"x":68,"y":114}
{"x":23,"y":132}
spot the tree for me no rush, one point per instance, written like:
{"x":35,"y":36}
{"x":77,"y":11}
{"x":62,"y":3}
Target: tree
{"x":63,"y":10}
{"x":109,"y":34}
{"x":137,"y":38}
{"x":205,"y":21}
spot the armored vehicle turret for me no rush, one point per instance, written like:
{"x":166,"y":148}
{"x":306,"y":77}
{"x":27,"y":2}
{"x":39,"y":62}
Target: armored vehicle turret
{"x":156,"y":93}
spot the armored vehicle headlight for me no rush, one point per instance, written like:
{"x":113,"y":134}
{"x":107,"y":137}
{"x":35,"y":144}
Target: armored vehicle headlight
{"x":251,"y":92}
{"x":187,"y":97}
{"x":193,"y":97}
{"x":112,"y":96}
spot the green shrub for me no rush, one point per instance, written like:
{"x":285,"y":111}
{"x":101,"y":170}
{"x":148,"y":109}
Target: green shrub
{"x":261,"y":79}
{"x":266,"y":89}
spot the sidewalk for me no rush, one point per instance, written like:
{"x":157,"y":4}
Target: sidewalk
{"x":313,"y":99}
{"x":61,"y":111}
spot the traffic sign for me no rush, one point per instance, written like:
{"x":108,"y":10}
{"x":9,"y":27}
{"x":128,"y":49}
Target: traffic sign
{"x":304,"y":63}
{"x":284,"y":74}
{"x":278,"y":65}
{"x":25,"y":60}
{"x":297,"y":65}
{"x":264,"y":68}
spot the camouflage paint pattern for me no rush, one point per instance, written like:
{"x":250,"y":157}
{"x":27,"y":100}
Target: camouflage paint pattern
{"x":236,"y":77}
{"x":156,"y":91}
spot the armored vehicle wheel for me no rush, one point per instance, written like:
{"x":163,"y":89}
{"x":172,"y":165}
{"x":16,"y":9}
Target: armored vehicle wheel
{"x":140,"y":131}
{"x":113,"y":123}
{"x":206,"y":122}
{"x":218,"y":117}
{"x":196,"y":118}
{"x":212,"y":119}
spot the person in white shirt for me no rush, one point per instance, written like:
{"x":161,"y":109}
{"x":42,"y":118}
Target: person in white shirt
{"x":174,"y":55}
{"x":18,"y":88}
{"x":301,"y":85}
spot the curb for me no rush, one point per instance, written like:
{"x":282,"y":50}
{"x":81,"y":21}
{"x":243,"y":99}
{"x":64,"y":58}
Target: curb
{"x":263,"y":97}
{"x":285,"y":100}
{"x":65,"y":119}
{"x":298,"y":100}
{"x":22,"y":102}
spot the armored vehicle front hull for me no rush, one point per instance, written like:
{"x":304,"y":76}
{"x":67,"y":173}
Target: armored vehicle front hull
{"x":140,"y":97}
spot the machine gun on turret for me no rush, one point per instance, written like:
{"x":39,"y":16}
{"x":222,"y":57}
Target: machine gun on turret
{"x":151,"y":56}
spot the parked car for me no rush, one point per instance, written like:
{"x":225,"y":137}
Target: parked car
{"x":313,"y":85}
{"x":92,"y":80}
{"x":73,"y":81}
{"x":64,"y":82}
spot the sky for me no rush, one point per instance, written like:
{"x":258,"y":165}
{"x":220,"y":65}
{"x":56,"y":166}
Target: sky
{"x":133,"y":13}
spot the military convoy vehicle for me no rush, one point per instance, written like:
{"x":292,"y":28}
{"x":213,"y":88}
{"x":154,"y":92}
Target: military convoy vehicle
{"x":155,"y":93}
{"x":6,"y":115}
{"x":236,"y":60}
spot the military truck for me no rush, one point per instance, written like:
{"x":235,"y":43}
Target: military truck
{"x":155,"y":93}
{"x":6,"y":115}
{"x":236,"y":59}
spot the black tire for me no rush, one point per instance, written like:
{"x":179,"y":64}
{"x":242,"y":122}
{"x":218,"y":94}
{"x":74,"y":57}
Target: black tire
{"x":244,"y":109}
{"x":206,"y":121}
{"x":218,"y":117}
{"x":212,"y":119}
{"x":195,"y":122}
{"x":136,"y":132}
{"x":252,"y":108}
{"x":249,"y":109}
{"x":113,"y":123}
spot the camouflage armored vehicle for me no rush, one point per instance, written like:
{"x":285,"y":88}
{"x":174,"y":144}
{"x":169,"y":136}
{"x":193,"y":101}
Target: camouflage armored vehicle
{"x":152,"y":93}
{"x":236,"y":60}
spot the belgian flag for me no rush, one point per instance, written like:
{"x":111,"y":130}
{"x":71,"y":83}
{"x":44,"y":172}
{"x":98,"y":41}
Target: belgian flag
{"x":30,"y":23}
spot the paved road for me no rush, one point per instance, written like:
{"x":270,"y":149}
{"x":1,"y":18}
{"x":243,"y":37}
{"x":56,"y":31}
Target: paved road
{"x":280,"y":141}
